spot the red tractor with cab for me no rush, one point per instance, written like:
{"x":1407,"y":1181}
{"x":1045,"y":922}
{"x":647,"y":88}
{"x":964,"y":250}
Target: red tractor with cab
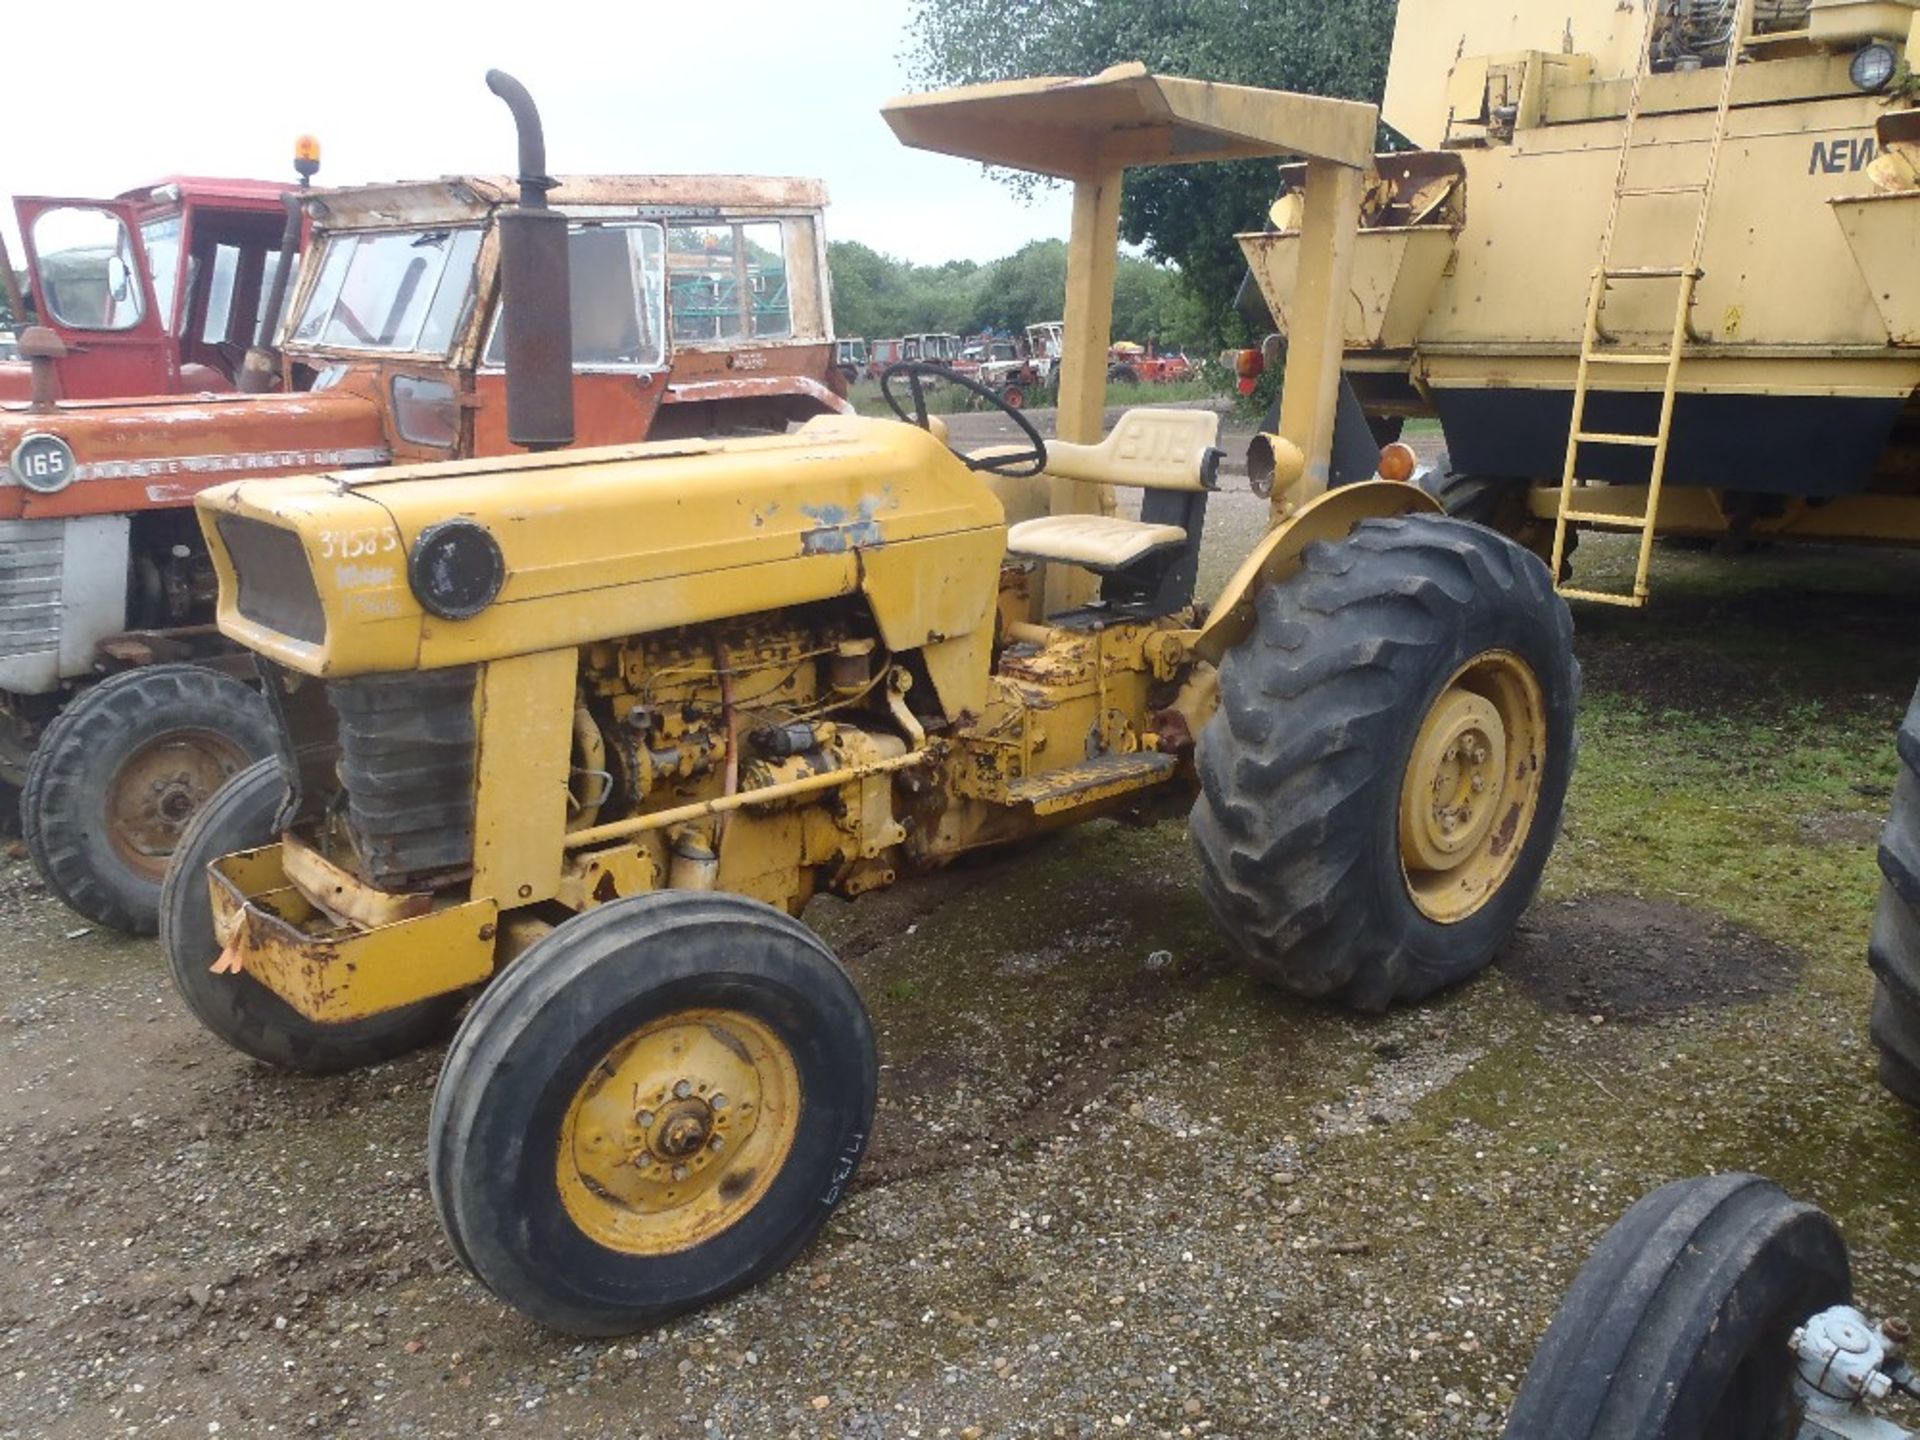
{"x":158,"y":291}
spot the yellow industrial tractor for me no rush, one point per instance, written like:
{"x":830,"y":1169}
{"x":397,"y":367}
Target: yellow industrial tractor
{"x":589,"y":728}
{"x":1655,"y":268}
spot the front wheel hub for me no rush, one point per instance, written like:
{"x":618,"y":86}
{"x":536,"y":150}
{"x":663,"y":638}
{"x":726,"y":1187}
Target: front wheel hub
{"x":677,"y":1133}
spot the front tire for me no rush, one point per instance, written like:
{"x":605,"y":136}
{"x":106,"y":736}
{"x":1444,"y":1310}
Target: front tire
{"x":656,"y":1107}
{"x":1678,"y":1323}
{"x":1384,"y":780}
{"x":118,"y":776}
{"x":1894,"y":951}
{"x":238,"y":1008}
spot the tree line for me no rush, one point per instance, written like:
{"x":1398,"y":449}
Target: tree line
{"x":878,"y":297}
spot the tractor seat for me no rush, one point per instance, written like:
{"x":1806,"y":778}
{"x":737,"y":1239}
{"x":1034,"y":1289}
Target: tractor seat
{"x":1104,"y":544}
{"x":1169,"y":452}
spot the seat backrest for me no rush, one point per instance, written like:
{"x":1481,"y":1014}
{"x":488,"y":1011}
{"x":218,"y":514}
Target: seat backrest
{"x":1149,"y":449}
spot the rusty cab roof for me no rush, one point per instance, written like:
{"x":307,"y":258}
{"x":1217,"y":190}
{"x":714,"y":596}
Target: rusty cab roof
{"x":454,"y":199}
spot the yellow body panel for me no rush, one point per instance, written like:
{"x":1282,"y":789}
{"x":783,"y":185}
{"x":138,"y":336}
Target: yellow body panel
{"x":333,"y":974}
{"x":610,"y":542}
{"x":526,"y":725}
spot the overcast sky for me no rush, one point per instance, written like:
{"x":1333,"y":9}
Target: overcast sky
{"x":395,"y":91}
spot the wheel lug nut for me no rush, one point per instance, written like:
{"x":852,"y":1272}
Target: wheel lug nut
{"x":718,"y":1102}
{"x":682,"y":1090}
{"x":717,"y":1143}
{"x":644,"y":1119}
{"x":679,"y":1172}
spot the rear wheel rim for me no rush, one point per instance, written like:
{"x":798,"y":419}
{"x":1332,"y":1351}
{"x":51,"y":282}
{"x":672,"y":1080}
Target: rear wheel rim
{"x":1472,"y":785}
{"x":678,"y":1132}
{"x":153,"y":795}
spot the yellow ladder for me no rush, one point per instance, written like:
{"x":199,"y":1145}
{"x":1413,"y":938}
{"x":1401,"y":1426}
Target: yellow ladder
{"x":1592,"y":355}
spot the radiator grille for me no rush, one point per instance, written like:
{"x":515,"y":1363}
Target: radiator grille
{"x":30,"y":558}
{"x":276,"y":586}
{"x":408,"y":747}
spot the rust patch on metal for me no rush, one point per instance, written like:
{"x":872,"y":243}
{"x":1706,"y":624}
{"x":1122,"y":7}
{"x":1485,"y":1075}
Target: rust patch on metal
{"x":1503,"y":835}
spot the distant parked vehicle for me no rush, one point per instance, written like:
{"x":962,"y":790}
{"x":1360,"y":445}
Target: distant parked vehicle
{"x":883,"y":354}
{"x":1045,"y":343}
{"x":1128,"y":364}
{"x":851,"y":357}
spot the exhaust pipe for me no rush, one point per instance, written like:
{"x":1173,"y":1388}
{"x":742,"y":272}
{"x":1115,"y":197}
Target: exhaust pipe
{"x":536,"y":289}
{"x":260,"y":371}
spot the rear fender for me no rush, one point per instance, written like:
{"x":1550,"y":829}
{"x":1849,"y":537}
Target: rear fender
{"x":1277,"y":557}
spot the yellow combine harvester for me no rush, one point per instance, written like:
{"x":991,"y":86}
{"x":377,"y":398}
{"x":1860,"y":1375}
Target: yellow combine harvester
{"x":1656,"y":268}
{"x":590,"y":729}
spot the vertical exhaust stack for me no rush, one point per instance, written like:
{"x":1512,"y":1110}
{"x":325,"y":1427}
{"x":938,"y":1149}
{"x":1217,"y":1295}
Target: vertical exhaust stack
{"x":260,"y":371}
{"x":537,"y":290}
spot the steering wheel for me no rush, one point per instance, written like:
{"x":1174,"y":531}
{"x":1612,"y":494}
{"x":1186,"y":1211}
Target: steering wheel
{"x":1022,"y":465}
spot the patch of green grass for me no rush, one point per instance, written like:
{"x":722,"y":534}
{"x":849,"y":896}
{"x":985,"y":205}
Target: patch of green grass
{"x":1714,"y":809}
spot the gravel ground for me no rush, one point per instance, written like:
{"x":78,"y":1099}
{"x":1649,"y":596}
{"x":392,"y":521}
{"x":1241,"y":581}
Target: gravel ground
{"x":1115,"y":1188}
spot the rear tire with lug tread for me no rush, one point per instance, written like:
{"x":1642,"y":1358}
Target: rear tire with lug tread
{"x":117,"y":776}
{"x":1384,"y":780}
{"x":1894,"y":951}
{"x":238,"y":1008}
{"x":657,"y":1106}
{"x":1677,"y":1325}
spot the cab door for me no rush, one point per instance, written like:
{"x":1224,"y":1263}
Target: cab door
{"x":92,"y":287}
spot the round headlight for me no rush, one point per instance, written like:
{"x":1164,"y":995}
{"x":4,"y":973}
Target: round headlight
{"x":456,"y":569}
{"x":43,"y":463}
{"x":1874,"y":66}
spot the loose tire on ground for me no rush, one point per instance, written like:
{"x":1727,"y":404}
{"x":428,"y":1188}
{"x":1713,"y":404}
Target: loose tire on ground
{"x":118,"y":775}
{"x":238,"y":1008}
{"x":1894,"y":951}
{"x":1384,"y":780}
{"x":572,"y":1148}
{"x":1677,"y":1325}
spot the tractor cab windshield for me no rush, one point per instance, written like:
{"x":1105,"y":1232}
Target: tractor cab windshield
{"x":400,"y":291}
